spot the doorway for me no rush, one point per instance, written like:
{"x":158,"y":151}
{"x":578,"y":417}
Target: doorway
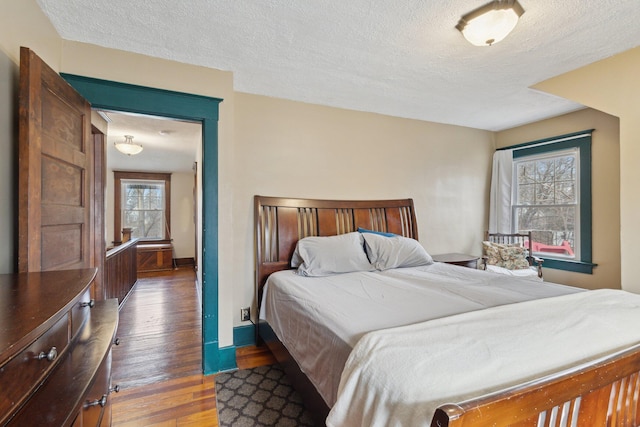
{"x":153,"y":215}
{"x":108,"y":95}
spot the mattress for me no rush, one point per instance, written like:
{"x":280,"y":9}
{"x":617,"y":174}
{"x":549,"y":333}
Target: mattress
{"x":320,"y":319}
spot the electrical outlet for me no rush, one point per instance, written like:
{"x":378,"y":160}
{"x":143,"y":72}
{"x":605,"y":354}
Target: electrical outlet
{"x":245,"y":313}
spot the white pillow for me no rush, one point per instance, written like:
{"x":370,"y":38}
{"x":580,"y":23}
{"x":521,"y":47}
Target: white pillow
{"x":395,"y":252}
{"x":525,"y":273}
{"x":323,"y":256}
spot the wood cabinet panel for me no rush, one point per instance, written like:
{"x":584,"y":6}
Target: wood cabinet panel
{"x":27,"y":369}
{"x":155,"y":257}
{"x":45,"y":387}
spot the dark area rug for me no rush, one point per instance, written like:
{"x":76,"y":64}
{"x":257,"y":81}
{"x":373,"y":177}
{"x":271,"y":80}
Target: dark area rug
{"x":261,"y":396}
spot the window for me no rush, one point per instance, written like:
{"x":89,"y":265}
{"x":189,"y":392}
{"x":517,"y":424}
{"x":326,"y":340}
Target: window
{"x":552,"y":199}
{"x":547,"y":201}
{"x":143,"y":208}
{"x":142,"y":203}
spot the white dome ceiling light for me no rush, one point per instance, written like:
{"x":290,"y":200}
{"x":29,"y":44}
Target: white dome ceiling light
{"x":128,"y":147}
{"x":490,"y":23}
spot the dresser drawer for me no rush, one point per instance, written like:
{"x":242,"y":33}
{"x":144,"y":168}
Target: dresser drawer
{"x":80,"y":312}
{"x":25,"y":371}
{"x":97,"y":406}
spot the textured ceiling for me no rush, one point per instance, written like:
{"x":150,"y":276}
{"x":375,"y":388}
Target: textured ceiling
{"x":398,"y":57}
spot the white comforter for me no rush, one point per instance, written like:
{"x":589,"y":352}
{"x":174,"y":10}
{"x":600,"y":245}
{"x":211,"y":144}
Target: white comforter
{"x":320,"y":319}
{"x":398,"y":376}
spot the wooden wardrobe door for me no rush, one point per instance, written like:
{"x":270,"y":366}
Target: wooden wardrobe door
{"x":55,"y":225}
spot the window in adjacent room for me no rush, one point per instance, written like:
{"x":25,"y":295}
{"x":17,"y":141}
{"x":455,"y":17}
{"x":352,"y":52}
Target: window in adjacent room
{"x":552,"y":198}
{"x":142,"y":203}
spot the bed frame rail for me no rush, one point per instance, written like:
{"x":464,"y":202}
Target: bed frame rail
{"x":601,"y":393}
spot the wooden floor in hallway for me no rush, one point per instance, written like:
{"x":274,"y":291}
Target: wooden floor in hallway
{"x":158,"y":363}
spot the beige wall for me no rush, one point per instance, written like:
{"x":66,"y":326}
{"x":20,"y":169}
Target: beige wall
{"x":292,"y":149}
{"x":22,"y":23}
{"x":612,"y":85}
{"x":605,"y":168}
{"x":8,"y":169}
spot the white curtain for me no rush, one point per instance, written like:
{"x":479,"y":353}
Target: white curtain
{"x":500,"y":197}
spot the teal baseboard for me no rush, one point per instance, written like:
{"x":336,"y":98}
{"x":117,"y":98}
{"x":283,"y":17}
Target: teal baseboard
{"x":244,"y":335}
{"x":210,"y":365}
{"x":227,"y":358}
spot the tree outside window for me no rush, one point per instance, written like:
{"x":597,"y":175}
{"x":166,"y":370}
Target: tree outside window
{"x":551,"y":197}
{"x":142,"y":203}
{"x":547,"y":202}
{"x":143,"y":208}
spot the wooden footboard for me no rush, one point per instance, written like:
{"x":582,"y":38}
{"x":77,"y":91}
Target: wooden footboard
{"x":602,"y":393}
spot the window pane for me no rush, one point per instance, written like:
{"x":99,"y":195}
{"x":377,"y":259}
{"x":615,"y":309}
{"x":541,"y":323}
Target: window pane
{"x":547,"y":181}
{"x":545,"y":171}
{"x":544,"y":193}
{"x":565,"y":168}
{"x":526,"y":172}
{"x":553,"y":228}
{"x":143,"y":208}
{"x":565,"y":192}
{"x":526,"y":194}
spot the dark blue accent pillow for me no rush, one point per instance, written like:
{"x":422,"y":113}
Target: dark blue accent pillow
{"x":381,"y":233}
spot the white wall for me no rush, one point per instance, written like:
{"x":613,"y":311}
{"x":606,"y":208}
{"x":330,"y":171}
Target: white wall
{"x":183,"y":230}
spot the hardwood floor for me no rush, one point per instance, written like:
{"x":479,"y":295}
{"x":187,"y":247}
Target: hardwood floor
{"x":158,"y":363}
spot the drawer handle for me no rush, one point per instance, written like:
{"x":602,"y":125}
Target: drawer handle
{"x":89,"y":304}
{"x":102,"y":401}
{"x":115,"y":389}
{"x":50,"y":356}
{"x":117,"y":341}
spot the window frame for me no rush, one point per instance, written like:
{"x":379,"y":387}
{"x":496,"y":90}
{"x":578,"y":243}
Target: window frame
{"x":581,"y":141}
{"x":118,"y":177}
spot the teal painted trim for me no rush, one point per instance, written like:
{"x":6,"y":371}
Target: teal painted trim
{"x":584,"y":144}
{"x":111,"y":95}
{"x":227,"y":357}
{"x":210,"y":363}
{"x":147,"y":100}
{"x":569,"y":265}
{"x":542,"y":141}
{"x":244,"y":335}
{"x":210,"y":236}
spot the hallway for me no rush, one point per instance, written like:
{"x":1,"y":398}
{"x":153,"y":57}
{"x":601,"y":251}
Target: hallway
{"x":158,"y":361}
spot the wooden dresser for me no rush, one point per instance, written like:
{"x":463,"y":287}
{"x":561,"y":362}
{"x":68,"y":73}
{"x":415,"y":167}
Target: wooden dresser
{"x":55,"y":350}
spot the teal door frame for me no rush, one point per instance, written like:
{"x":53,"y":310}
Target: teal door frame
{"x":109,"y":95}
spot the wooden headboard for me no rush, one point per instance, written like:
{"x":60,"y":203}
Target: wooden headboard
{"x":281,"y":222}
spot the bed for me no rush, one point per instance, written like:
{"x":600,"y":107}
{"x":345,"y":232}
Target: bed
{"x":349,"y":343}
